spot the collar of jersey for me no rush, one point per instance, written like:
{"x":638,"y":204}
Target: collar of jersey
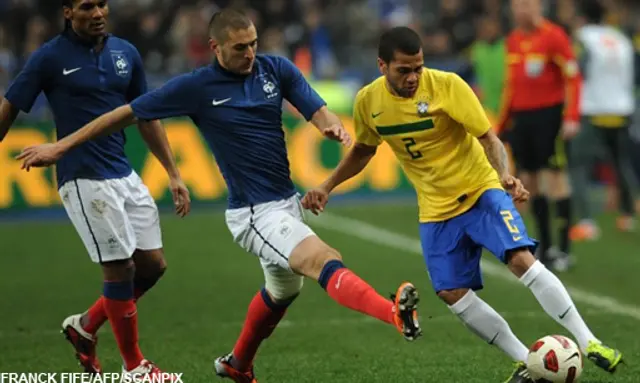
{"x":70,"y":34}
{"x":219,"y":68}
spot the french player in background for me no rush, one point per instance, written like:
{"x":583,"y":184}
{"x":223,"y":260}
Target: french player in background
{"x":606,"y":57}
{"x":237,"y":104}
{"x":86,"y":72}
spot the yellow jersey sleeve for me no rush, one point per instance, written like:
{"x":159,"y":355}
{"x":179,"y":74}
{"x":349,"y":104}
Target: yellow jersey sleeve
{"x":464,"y":107}
{"x":365,"y":134}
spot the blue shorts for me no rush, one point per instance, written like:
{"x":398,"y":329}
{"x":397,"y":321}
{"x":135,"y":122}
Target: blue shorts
{"x":452,"y":249}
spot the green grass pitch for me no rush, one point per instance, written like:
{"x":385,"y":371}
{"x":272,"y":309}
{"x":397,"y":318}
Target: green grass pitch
{"x":195,"y":313}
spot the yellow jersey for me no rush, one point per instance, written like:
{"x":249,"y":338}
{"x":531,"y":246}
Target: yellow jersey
{"x":434,"y":136}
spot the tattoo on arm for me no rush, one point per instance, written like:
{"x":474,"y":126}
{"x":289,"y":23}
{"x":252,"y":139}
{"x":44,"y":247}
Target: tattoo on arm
{"x":497,"y":155}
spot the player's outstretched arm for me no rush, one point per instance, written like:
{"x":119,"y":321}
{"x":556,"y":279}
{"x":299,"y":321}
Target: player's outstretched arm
{"x":350,"y":166}
{"x":8,"y":114}
{"x":330,"y":126}
{"x":48,"y":154}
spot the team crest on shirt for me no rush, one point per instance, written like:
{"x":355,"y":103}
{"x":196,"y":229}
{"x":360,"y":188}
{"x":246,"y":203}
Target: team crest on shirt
{"x":120,"y":64}
{"x":423,"y":108}
{"x":270,"y":89}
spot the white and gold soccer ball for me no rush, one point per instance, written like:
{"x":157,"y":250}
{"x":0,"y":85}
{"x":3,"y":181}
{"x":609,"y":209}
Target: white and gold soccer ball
{"x":555,"y":359}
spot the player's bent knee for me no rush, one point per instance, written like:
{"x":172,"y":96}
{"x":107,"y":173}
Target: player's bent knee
{"x":119,"y":271}
{"x":283,"y":294}
{"x":283,"y":288}
{"x":451,"y":297}
{"x":519,"y":261}
{"x":150,"y":263}
{"x":310,"y":257}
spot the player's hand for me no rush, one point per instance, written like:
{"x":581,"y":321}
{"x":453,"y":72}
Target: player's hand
{"x":315,"y":200}
{"x":337,"y":132}
{"x":515,"y":188}
{"x":181,"y":199}
{"x":570,"y":129}
{"x":40,"y":156}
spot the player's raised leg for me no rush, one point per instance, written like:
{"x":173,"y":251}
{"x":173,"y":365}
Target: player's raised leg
{"x":315,"y":259}
{"x":288,"y":250}
{"x":453,"y":261}
{"x":502,"y":231}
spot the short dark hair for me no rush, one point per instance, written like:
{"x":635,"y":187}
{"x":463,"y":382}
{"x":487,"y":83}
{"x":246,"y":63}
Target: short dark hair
{"x":593,"y":10}
{"x":398,"y":39}
{"x":225,"y":19}
{"x":69,"y":4}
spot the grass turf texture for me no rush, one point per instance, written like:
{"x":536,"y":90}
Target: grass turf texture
{"x":195,"y":313}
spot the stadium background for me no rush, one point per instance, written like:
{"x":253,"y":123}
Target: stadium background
{"x":196,"y":311}
{"x":333,"y":42}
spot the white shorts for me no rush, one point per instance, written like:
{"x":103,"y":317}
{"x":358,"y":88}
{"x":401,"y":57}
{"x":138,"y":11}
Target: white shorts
{"x":113,"y":217}
{"x":271,"y":231}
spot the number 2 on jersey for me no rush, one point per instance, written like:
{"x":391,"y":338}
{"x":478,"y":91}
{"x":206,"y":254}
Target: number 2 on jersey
{"x":409,"y":142}
{"x":508,"y":220}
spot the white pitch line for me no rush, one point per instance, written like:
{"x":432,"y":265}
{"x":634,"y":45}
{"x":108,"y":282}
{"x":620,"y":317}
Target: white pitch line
{"x":380,"y":236}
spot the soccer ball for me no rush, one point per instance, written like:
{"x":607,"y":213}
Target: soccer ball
{"x":555,"y":359}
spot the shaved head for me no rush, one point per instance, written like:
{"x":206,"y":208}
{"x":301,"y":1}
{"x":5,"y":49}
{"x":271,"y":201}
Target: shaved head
{"x":227,"y":20}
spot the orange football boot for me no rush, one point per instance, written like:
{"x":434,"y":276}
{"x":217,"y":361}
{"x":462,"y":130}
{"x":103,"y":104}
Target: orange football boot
{"x":405,"y":308}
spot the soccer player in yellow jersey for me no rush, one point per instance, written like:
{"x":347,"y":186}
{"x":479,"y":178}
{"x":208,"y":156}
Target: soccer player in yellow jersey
{"x":440,"y":134}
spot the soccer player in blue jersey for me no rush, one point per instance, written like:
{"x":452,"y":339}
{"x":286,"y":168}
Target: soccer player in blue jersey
{"x":84,"y":73}
{"x":237,"y":104}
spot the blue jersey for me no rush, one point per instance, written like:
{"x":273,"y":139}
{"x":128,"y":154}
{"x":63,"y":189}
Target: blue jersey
{"x":81,"y":85}
{"x":240,"y":117}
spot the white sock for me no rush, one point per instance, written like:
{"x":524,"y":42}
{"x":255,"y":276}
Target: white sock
{"x":485,"y":322}
{"x":556,"y":302}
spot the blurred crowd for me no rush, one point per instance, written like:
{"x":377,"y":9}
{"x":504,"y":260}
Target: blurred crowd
{"x":328,"y":39}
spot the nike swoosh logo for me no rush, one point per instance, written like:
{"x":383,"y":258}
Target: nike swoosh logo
{"x":339,"y":280}
{"x":517,"y":237}
{"x":131,"y":314}
{"x":575,"y":355}
{"x":220,"y":102}
{"x":564,"y":314}
{"x":66,"y":72}
{"x":374,"y":115}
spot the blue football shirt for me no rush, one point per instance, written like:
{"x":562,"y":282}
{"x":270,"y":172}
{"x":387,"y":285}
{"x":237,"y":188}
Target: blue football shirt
{"x":81,"y":85}
{"x":240,"y":117}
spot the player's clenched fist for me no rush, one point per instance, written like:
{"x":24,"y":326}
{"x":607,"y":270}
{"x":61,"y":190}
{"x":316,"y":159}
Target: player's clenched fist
{"x":315,"y":200}
{"x":337,"y":132}
{"x":514,"y":187}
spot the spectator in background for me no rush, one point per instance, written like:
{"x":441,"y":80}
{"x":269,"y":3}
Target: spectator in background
{"x":608,"y":102}
{"x":488,"y":58}
{"x":542,"y":97}
{"x":318,"y":41}
{"x":457,"y":20}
